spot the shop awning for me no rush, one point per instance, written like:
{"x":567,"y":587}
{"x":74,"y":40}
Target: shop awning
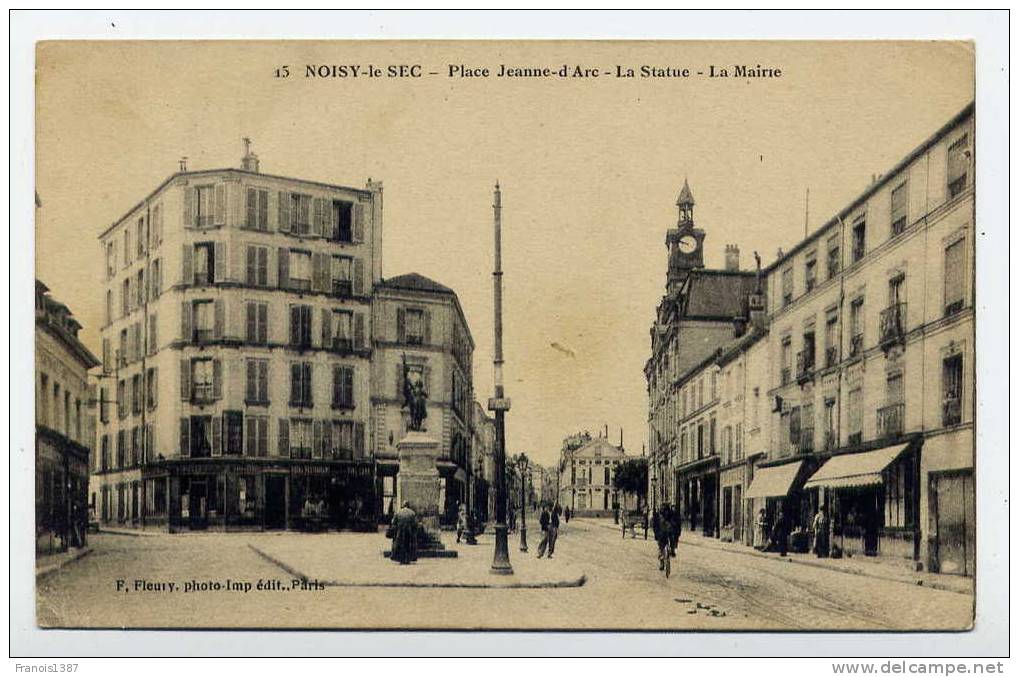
{"x":855,"y":470}
{"x":773,"y":481}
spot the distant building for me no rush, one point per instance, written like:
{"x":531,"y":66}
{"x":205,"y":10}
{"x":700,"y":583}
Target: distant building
{"x":483,"y":455}
{"x":64,"y":426}
{"x":586,"y":484}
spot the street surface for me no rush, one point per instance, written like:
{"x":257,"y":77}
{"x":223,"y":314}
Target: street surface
{"x":710,"y":589}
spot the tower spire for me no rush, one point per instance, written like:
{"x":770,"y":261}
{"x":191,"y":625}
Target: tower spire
{"x":685,"y":204}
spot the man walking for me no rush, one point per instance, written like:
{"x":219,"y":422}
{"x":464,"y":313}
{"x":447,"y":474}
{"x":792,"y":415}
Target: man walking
{"x":549,"y":522}
{"x":675,"y":528}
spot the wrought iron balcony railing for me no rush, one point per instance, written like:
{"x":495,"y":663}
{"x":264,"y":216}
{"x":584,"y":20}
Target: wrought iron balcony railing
{"x":951,"y":411}
{"x":890,"y":420}
{"x":804,"y":365}
{"x":893,"y":324}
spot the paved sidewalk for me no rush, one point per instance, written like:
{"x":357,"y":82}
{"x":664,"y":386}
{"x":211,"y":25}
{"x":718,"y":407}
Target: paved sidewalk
{"x":50,"y":563}
{"x":874,"y":567}
{"x":355,"y":560}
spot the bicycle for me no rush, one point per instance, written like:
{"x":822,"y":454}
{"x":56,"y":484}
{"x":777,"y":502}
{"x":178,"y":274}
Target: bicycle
{"x":664,"y":558}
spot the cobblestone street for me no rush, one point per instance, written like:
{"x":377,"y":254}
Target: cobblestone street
{"x":711,"y":588}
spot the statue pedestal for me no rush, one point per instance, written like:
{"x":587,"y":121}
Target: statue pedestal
{"x":419,"y":486}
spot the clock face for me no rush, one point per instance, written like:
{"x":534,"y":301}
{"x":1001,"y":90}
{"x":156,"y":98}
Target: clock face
{"x":687,"y":244}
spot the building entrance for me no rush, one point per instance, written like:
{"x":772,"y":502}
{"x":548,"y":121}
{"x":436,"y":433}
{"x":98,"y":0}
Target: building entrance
{"x":275,"y":502}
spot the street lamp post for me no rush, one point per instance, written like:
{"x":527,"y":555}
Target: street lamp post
{"x":522,"y":463}
{"x":499,"y":404}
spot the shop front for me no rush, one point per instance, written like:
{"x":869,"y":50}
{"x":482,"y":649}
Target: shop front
{"x":872,"y":500}
{"x":698,"y":495}
{"x":734,"y":480}
{"x":775,"y":494}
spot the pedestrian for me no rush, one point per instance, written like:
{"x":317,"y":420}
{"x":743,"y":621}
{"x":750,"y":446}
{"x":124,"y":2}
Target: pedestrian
{"x":512,"y":519}
{"x":761,"y":531}
{"x":550,"y":529}
{"x":568,"y":514}
{"x":404,"y":532}
{"x":645,"y":515}
{"x":461,"y":522}
{"x":675,"y":528}
{"x":660,"y":524}
{"x":780,"y":534}
{"x":820,"y":526}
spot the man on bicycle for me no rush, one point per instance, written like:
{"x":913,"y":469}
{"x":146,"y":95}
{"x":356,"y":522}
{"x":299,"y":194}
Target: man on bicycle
{"x":662,"y":526}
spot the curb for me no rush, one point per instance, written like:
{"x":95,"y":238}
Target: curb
{"x":571,"y":583}
{"x":50,"y":568}
{"x":918,"y":582}
{"x":127,"y":532}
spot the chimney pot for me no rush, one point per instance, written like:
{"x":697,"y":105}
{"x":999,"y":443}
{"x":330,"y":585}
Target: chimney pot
{"x":731,"y":257}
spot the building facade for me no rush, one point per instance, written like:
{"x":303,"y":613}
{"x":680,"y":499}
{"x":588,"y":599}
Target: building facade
{"x":64,"y":429}
{"x":586,"y":484}
{"x":236,"y":353}
{"x":483,"y":455}
{"x":421,"y":328}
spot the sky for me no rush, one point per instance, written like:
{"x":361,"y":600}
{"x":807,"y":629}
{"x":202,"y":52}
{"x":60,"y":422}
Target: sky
{"x":589,"y":167}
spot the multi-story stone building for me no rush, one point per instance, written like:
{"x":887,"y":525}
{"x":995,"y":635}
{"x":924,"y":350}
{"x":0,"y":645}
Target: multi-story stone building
{"x":236,"y":351}
{"x":586,"y":485}
{"x":64,"y":429}
{"x":872,"y":344}
{"x":483,"y":454}
{"x":421,"y":328}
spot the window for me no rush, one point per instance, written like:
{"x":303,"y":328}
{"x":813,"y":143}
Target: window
{"x":343,"y":440}
{"x":714,"y":385}
{"x":257,"y":436}
{"x":121,"y":448}
{"x":955,"y":277}
{"x":300,"y":326}
{"x":121,"y":399}
{"x":890,"y":417}
{"x":204,"y":205}
{"x":135,"y":451}
{"x":104,"y":457}
{"x":201,"y":436}
{"x":299,"y":269}
{"x":739,"y":441}
{"x":414,"y":323}
{"x":109,"y":306}
{"x":900,"y":208}
{"x":787,"y":286}
{"x":951,"y":389}
{"x":155,"y":280}
{"x":343,"y":387}
{"x":140,"y":236}
{"x":202,"y":379}
{"x":856,"y":326}
{"x":151,"y":387}
{"x":136,"y":394}
{"x":139,"y":289}
{"x":342,"y":327}
{"x":125,"y":297}
{"x":257,"y":269}
{"x":204,"y":263}
{"x":341,"y":273}
{"x":342,"y":224}
{"x":811,"y":273}
{"x":257,"y":322}
{"x":257,"y":209}
{"x":203,"y":314}
{"x":111,"y":259}
{"x":300,"y":214}
{"x":257,"y":382}
{"x":153,"y":337}
{"x":127,"y":247}
{"x":300,"y":384}
{"x":233,"y":433}
{"x":300,"y":438}
{"x":156,"y":227}
{"x":831,"y":339}
{"x":834,"y":256}
{"x":44,"y":393}
{"x":958,"y":166}
{"x":830,"y":420}
{"x":104,"y":412}
{"x":794,"y":429}
{"x":859,"y":237}
{"x":787,"y":359}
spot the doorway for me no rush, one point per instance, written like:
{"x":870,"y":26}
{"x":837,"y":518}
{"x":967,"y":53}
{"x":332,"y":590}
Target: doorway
{"x":953,"y":524}
{"x":198,"y":502}
{"x":275,"y":502}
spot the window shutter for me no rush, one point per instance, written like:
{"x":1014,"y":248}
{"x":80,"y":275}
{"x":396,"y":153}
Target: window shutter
{"x":263,"y":323}
{"x":316,"y":272}
{"x":218,"y":321}
{"x":327,"y":328}
{"x":316,"y":439}
{"x":348,"y":386}
{"x":263,"y":210}
{"x":155,"y":387}
{"x":284,"y":437}
{"x":358,"y":439}
{"x":337,"y":380}
{"x":263,"y":267}
{"x":331,"y":229}
{"x":187,"y":276}
{"x":328,"y":439}
{"x":219,"y":271}
{"x":251,"y":385}
{"x":306,"y":369}
{"x":217,"y":379}
{"x":283,"y":222}
{"x":401,"y":325}
{"x":358,"y":275}
{"x":251,"y":209}
{"x":426,"y":319}
{"x":426,"y":379}
{"x":319,"y":220}
{"x":190,"y":198}
{"x":295,"y":383}
{"x":220,"y":208}
{"x":263,"y":380}
{"x":185,"y":436}
{"x":358,"y":222}
{"x":295,"y":325}
{"x":217,"y":435}
{"x":185,"y":322}
{"x":252,"y":323}
{"x":284,"y":266}
{"x":251,"y":269}
{"x":250,"y":436}
{"x":359,"y":331}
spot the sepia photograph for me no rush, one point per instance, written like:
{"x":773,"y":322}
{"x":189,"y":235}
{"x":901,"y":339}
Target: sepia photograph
{"x":632,"y":335}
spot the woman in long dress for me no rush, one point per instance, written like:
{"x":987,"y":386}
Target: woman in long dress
{"x":405,"y":535}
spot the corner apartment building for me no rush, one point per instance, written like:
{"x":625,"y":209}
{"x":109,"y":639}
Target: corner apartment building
{"x":236,"y":352}
{"x":419,"y":323}
{"x":872,"y":346}
{"x":64,"y":429}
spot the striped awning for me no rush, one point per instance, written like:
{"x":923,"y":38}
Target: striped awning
{"x":862,"y":469}
{"x":773,"y":481}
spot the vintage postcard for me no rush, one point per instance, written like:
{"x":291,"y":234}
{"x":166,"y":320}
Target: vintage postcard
{"x":530,"y":335}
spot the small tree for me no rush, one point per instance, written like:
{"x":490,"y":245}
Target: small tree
{"x":631,"y":478}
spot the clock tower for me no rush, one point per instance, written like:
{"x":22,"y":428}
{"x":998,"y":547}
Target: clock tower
{"x":685,"y":242}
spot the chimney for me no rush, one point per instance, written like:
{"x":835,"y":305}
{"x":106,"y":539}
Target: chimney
{"x":249,"y":162}
{"x":731,"y":257}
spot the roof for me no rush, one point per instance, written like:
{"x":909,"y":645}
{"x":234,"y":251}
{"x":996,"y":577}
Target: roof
{"x":738,"y":345}
{"x":685,"y":196}
{"x":416,"y":282}
{"x":718,"y":294}
{"x":599,"y":446}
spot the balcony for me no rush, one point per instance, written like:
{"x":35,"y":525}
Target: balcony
{"x":890,"y":420}
{"x":893,"y":325}
{"x":786,"y":375}
{"x":805,"y":444}
{"x":856,"y":345}
{"x":804,"y":366}
{"x":831,"y":441}
{"x":951,"y":411}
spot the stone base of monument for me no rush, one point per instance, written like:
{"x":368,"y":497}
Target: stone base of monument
{"x":418,"y":481}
